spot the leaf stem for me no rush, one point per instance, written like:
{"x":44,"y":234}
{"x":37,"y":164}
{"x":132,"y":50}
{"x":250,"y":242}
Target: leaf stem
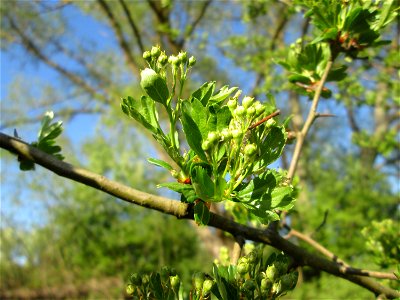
{"x":312,"y":115}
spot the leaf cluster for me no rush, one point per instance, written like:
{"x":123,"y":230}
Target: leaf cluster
{"x":231,"y":145}
{"x":46,"y":141}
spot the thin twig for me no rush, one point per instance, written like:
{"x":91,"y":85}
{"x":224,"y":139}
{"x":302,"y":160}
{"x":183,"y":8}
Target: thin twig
{"x":274,"y":114}
{"x":135,"y":29}
{"x":344,"y":267}
{"x":312,"y":115}
{"x":120,"y":36}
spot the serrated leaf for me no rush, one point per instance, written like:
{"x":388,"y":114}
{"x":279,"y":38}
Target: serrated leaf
{"x":160,"y":163}
{"x":272,"y":146}
{"x":143,"y":112}
{"x":281,"y":197}
{"x":204,"y":93}
{"x":224,"y":117}
{"x":256,"y":188}
{"x":222,"y":94}
{"x":176,"y":186}
{"x":328,"y":34}
{"x":193,"y":135}
{"x":201,"y":213}
{"x":202,"y":183}
{"x":337,"y":74}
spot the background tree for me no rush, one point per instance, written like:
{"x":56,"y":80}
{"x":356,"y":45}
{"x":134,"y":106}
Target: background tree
{"x":365,"y":158}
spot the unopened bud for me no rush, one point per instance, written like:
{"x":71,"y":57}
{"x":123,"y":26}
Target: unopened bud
{"x":250,"y":149}
{"x":198,"y":279}
{"x":163,"y":59}
{"x":130,"y":289}
{"x":213,"y":136}
{"x":136,"y":279}
{"x":147,"y":55}
{"x":207,"y":286}
{"x":182,"y":57}
{"x":249,"y":285}
{"x":247,"y":101}
{"x":239,"y":111}
{"x":175,"y":282}
{"x":192,"y":61}
{"x":155,"y":52}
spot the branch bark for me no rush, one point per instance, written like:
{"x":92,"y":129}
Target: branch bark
{"x":184,"y":210}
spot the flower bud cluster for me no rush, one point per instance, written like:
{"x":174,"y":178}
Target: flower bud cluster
{"x":157,"y":59}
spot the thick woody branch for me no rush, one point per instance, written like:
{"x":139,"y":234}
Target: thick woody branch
{"x":183,"y":210}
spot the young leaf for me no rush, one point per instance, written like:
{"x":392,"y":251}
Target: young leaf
{"x":201,"y":213}
{"x":204,"y":93}
{"x":202,"y":183}
{"x":160,"y":163}
{"x":222,"y":94}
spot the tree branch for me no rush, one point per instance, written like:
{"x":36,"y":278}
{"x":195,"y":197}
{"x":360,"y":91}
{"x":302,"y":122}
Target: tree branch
{"x":312,"y":115}
{"x":120,"y":36}
{"x":135,"y":29}
{"x":344,"y":266}
{"x":196,"y":21}
{"x":184,"y":210}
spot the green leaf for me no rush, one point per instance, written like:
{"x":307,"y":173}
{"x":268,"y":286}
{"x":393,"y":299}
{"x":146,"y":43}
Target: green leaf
{"x":337,"y":74}
{"x":176,"y":186}
{"x":222,"y":94}
{"x":224,"y":117}
{"x":194,"y":127}
{"x":160,"y":163}
{"x":281,"y":197}
{"x":154,"y":85}
{"x":299,"y":78}
{"x":155,"y":283}
{"x":328,"y":34}
{"x":143,"y":112}
{"x":220,"y":283}
{"x":256,"y":188}
{"x":272,"y":146}
{"x":204,"y":93}
{"x":201,"y":213}
{"x":202,"y":183}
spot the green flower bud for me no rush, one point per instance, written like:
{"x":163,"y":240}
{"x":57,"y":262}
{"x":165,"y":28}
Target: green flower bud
{"x":192,"y":61}
{"x":266,"y":284}
{"x":154,"y":85}
{"x":162,"y":59}
{"x":207,"y":286}
{"x":252,"y":257}
{"x":249,"y":285}
{"x":236,"y":133}
{"x":213,"y":136}
{"x":206,"y":145}
{"x":198,"y":279}
{"x":243,"y":265}
{"x":147,"y":56}
{"x":270,"y":123}
{"x":247,"y":101}
{"x":182,"y":57}
{"x":226,"y":134}
{"x":259,"y":108}
{"x":239,"y":111}
{"x":281,"y":267}
{"x":174,"y":60}
{"x":155,"y":52}
{"x":250,"y":111}
{"x":130,"y":289}
{"x":232,"y":104}
{"x":271,"y":273}
{"x":175,"y":282}
{"x":276,"y":288}
{"x":250,"y":149}
{"x":136,"y":279}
